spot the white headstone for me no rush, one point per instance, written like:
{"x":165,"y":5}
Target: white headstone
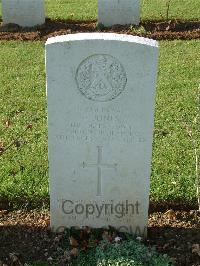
{"x":25,"y":13}
{"x":101,"y":91}
{"x":122,"y":12}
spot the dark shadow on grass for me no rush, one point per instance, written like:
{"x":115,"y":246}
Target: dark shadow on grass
{"x":39,"y":203}
{"x":24,"y":203}
{"x":177,"y":243}
{"x":176,"y":205}
{"x":30,"y":242}
{"x":34,"y":242}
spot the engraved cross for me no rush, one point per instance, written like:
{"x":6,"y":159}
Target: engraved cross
{"x":99,"y":165}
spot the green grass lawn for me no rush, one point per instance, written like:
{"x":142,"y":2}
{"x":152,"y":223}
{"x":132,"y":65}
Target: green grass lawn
{"x":23,"y":170}
{"x":151,"y":9}
{"x":24,"y":166}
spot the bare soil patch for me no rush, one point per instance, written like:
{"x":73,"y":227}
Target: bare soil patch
{"x":28,"y":236}
{"x":158,"y":30}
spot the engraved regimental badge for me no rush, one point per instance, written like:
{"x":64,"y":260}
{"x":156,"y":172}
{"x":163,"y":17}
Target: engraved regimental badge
{"x":101,"y":78}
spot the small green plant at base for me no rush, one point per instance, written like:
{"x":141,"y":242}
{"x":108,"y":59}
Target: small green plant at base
{"x":128,"y":252}
{"x":100,"y":27}
{"x":109,"y":247}
{"x":138,"y":30}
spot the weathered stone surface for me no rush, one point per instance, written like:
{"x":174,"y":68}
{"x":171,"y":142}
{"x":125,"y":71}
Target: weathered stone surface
{"x":101,"y":90}
{"x":122,"y":12}
{"x":25,"y":13}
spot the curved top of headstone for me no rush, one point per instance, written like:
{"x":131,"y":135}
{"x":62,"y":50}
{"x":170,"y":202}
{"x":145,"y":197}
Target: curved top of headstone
{"x":102,"y":36}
